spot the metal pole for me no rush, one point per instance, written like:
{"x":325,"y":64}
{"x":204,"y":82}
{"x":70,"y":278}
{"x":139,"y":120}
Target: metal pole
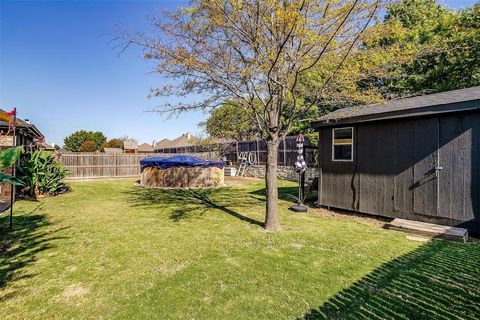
{"x":300,"y":189}
{"x":12,"y":187}
{"x":302,"y":178}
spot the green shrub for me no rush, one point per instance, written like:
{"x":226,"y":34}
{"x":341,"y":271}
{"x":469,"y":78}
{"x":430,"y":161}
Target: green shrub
{"x":7,"y":159}
{"x":41,"y":173}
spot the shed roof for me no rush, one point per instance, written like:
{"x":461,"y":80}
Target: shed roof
{"x":130,"y":145}
{"x":145,"y":147}
{"x":456,"y":100}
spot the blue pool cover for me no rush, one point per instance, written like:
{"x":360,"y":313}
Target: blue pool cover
{"x":179,"y":161}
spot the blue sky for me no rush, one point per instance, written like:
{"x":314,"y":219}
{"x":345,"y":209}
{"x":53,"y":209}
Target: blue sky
{"x":58,"y":68}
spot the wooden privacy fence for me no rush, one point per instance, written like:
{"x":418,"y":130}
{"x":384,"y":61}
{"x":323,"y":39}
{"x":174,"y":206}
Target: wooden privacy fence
{"x":104,"y":165}
{"x":91,"y":165}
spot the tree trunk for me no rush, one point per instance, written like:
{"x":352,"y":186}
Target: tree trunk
{"x":272,"y":219}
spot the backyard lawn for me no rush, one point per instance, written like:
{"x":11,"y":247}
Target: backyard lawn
{"x":111,"y":250}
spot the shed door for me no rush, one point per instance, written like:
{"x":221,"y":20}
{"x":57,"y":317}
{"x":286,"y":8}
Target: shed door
{"x":425,"y":182}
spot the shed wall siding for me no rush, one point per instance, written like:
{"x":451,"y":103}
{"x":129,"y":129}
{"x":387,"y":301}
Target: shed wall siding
{"x":375,"y":168}
{"x":425,"y":184}
{"x":403,"y":142}
{"x":394,"y":172}
{"x":338,"y":181}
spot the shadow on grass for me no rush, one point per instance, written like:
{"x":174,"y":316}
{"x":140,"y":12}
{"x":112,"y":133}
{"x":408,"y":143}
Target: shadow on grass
{"x":19,"y":247}
{"x":185,"y":202}
{"x":440,"y":280}
{"x":284,"y":193}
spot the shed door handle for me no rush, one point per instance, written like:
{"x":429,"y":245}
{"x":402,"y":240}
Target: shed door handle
{"x":437,"y":171}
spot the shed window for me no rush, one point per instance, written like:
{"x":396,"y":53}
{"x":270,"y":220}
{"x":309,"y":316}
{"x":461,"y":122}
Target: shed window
{"x":342,"y":144}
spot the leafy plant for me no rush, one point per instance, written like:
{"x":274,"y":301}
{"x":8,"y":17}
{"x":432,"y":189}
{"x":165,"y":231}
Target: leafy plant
{"x":7,"y":159}
{"x":41,"y":173}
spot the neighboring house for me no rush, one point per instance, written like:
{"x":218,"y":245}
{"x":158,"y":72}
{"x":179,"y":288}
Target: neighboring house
{"x":145,"y":148}
{"x":415,"y":158}
{"x":26,"y":133}
{"x":161,"y":145}
{"x":130,"y":146}
{"x":183,"y":144}
{"x":113,"y":150}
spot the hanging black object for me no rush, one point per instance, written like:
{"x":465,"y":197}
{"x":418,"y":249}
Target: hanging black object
{"x":300,"y":166}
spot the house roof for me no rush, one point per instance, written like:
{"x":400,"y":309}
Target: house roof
{"x":20,"y":124}
{"x":130,"y":145}
{"x":113,"y":150}
{"x":456,"y":100}
{"x":145,"y":147}
{"x":185,"y":140}
{"x":162,"y":144}
{"x":46,"y":146}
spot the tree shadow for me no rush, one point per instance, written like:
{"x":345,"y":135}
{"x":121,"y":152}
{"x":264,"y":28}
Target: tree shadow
{"x":284,"y":193}
{"x":19,"y":247}
{"x":440,"y":280}
{"x":187,"y":202}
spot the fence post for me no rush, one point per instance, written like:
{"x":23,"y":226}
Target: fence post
{"x":116,"y":165}
{"x":284,"y":153}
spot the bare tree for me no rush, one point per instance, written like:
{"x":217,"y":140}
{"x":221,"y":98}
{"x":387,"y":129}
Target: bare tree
{"x":253,"y":54}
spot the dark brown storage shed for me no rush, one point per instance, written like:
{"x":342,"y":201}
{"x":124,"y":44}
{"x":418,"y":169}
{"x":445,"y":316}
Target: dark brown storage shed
{"x":415,"y":158}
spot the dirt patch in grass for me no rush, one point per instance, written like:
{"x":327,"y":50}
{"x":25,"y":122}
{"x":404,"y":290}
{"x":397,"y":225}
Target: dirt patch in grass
{"x":170,"y":270}
{"x":71,"y":268}
{"x":74,"y":291}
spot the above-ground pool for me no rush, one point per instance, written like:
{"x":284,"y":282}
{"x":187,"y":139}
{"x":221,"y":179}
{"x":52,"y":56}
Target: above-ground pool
{"x":181,"y":172}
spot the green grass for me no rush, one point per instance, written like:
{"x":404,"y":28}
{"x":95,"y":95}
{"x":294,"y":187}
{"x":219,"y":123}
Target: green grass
{"x":110,"y":250}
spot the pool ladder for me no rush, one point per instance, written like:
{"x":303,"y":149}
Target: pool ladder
{"x":246,"y":159}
